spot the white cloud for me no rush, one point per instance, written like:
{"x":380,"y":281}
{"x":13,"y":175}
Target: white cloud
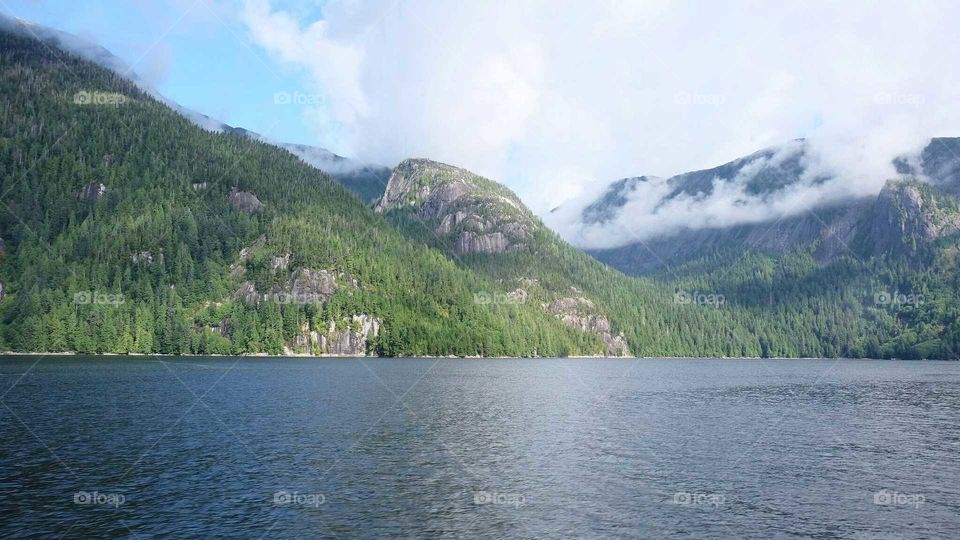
{"x":554,"y":98}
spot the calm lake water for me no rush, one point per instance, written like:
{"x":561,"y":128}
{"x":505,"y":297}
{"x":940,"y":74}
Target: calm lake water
{"x":277,"y":448}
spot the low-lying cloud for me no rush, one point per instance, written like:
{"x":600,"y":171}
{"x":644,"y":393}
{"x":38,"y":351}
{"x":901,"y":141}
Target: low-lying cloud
{"x":558,"y":99}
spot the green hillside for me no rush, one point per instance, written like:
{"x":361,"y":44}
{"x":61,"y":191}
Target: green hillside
{"x":146,"y":265}
{"x":125,"y":228}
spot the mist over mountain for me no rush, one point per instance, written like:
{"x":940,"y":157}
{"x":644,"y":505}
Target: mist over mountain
{"x":554,"y":101}
{"x":772,"y":184}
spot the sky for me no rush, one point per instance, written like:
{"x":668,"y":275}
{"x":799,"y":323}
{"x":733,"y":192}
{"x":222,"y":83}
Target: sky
{"x":556,"y":99}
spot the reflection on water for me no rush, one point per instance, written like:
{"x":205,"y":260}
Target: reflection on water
{"x":344,"y":448}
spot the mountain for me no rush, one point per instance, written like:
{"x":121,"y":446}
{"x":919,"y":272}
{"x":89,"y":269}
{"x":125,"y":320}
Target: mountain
{"x":889,"y":259}
{"x":755,"y":306}
{"x":125,"y":227}
{"x":366,"y":180}
{"x":830,"y":228}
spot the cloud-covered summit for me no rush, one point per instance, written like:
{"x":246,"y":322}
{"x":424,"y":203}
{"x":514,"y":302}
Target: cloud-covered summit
{"x":767,"y":186}
{"x":554,"y":98}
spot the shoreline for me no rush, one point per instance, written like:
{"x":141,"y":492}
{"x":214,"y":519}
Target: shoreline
{"x":451,"y":357}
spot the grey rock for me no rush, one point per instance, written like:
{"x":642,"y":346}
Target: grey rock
{"x":904,"y":222}
{"x":304,"y":286}
{"x":94,"y":191}
{"x":142,"y":257}
{"x":353,"y":339}
{"x":579,"y":313}
{"x":470,"y":218}
{"x":317,"y":286}
{"x":440,"y":199}
{"x":247,"y":293}
{"x":245,"y":201}
{"x":280,"y":263}
{"x":470,"y":242}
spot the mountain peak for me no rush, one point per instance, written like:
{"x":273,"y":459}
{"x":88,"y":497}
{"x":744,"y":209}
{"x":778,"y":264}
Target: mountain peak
{"x":471,"y":213}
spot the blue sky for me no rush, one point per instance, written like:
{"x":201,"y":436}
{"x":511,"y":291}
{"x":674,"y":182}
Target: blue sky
{"x":196,"y":53}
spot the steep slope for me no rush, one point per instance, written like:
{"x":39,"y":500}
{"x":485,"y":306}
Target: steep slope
{"x":475,"y":215}
{"x":889,"y":259}
{"x":468,"y":215}
{"x":366,"y":180}
{"x":804,"y":294}
{"x":830,"y":228}
{"x":126,"y":228}
{"x":444,"y":206}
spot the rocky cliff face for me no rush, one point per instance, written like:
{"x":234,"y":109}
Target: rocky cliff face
{"x":469,"y":213}
{"x":94,"y":191}
{"x":908,"y":216}
{"x":304,"y":286}
{"x":245,"y":201}
{"x":579,"y":312}
{"x":350,"y":338}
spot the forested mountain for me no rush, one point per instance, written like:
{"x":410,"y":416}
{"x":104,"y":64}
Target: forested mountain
{"x":889,"y":258}
{"x":127,"y":228}
{"x":830,"y":227}
{"x":366,"y":180}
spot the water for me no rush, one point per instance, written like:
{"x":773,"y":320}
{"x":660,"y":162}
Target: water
{"x":278,"y":448}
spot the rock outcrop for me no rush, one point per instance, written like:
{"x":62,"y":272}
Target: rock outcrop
{"x":280,"y":263}
{"x":94,"y":191}
{"x":907,"y":217}
{"x":470,"y":213}
{"x":245,"y":201}
{"x":580,"y":313}
{"x":238,"y":269}
{"x":304,"y":286}
{"x":351,"y":338}
{"x":145,"y":257}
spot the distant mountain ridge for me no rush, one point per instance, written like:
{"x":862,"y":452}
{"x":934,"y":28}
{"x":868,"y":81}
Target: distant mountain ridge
{"x":832,"y":225}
